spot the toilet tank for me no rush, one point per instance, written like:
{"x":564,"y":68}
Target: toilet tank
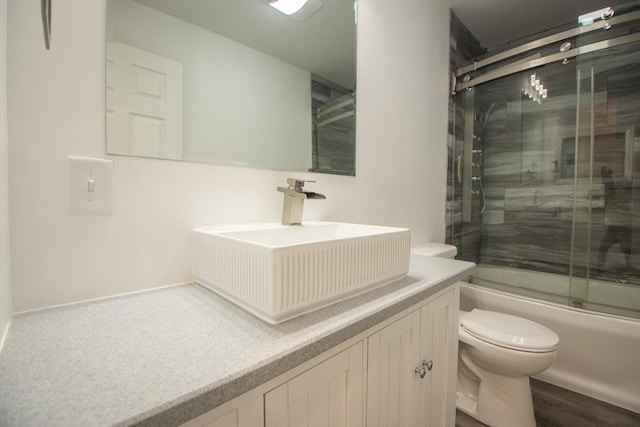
{"x":440,"y":250}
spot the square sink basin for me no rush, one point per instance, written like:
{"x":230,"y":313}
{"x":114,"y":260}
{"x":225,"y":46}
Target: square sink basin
{"x":278,"y":272}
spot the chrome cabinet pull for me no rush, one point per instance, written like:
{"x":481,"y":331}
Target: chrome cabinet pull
{"x":422,"y":369}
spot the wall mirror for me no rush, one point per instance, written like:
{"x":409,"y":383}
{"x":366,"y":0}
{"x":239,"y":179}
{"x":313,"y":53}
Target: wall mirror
{"x":233,"y":83}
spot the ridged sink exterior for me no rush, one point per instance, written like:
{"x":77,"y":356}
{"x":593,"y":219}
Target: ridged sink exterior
{"x":279,"y":272}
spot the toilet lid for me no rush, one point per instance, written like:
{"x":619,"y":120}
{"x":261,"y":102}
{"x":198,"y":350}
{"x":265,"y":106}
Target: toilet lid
{"x":509,"y":331}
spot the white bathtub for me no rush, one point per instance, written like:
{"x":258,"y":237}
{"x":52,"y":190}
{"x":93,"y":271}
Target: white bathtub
{"x":599,"y":354}
{"x":607,"y":297}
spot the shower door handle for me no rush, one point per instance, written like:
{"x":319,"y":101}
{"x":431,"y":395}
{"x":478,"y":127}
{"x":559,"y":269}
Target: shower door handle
{"x":459,"y":168}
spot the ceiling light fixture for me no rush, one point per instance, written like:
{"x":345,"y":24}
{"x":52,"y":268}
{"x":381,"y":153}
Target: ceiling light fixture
{"x":288,"y":7}
{"x":298,"y":9}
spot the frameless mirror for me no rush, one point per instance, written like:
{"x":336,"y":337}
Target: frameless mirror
{"x":232,"y":83}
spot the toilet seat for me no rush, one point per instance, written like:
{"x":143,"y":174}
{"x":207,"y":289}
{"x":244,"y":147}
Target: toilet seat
{"x":508,"y":331}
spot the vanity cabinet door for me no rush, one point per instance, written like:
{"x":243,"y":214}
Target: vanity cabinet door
{"x":247,"y":414}
{"x":328,"y":395}
{"x":412,"y":368}
{"x":393,"y":391}
{"x":439,"y":348}
{"x":250,"y":415}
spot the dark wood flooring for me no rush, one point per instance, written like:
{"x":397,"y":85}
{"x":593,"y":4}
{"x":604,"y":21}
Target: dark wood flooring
{"x":557,"y":407}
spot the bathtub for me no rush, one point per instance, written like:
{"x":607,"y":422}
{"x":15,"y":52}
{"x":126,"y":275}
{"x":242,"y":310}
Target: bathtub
{"x":598,"y":354}
{"x":605,"y":297}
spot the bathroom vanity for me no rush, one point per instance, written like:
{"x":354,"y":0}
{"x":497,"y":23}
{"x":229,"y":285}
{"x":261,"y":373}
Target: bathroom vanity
{"x":183,"y":355}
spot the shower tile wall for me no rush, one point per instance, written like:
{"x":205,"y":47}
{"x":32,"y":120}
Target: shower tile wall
{"x":335,"y":148}
{"x":334,"y":144}
{"x":529,"y":161}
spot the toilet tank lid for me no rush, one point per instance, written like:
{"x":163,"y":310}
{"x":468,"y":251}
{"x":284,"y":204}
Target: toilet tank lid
{"x":435,"y":249}
{"x":509,"y":331}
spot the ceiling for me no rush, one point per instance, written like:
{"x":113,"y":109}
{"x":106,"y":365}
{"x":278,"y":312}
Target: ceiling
{"x":495,"y":22}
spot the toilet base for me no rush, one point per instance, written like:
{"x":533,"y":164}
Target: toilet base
{"x":496,"y":400}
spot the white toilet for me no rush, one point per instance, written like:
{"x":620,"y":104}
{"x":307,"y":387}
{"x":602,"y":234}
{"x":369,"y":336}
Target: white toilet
{"x":497,"y":355}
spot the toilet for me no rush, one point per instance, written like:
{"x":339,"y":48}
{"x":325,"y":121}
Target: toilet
{"x":497,"y":353}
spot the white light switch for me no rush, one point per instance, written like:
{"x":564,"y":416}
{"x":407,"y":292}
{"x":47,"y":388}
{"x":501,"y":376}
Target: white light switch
{"x":90,"y":185}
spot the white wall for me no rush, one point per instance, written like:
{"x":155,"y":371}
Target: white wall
{"x":5,"y":285}
{"x":250,"y":108}
{"x":56,"y":108}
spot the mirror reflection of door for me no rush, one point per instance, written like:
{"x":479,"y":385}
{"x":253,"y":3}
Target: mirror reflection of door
{"x":144,"y":103}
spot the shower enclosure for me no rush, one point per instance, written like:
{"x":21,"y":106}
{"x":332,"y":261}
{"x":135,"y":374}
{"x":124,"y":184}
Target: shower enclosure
{"x":545,"y":165}
{"x":334,"y":128}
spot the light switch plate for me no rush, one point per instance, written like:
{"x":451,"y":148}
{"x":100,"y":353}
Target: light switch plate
{"x":90,"y":185}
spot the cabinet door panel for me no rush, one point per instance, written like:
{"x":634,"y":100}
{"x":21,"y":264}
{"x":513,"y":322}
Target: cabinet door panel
{"x":250,"y":414}
{"x":439,"y":343}
{"x":392,"y":389}
{"x":230,"y":419}
{"x":327,"y":395}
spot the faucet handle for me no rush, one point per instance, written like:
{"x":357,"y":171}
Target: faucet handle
{"x":297,"y":183}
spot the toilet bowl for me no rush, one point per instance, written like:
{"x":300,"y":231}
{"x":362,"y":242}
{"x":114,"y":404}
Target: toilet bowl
{"x":497,"y":355}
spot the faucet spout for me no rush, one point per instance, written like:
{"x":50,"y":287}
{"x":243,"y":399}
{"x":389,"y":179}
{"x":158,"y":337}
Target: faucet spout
{"x":294,"y":197}
{"x":312,"y":195}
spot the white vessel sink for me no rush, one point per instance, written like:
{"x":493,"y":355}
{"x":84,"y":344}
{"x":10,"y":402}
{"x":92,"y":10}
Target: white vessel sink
{"x":278,"y":272}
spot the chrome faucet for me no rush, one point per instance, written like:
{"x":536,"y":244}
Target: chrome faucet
{"x":294,"y":197}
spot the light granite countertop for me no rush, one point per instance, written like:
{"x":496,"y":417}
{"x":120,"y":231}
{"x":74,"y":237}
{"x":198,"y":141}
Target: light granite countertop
{"x":165,"y":356}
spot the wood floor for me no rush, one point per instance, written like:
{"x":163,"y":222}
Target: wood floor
{"x":557,"y":407}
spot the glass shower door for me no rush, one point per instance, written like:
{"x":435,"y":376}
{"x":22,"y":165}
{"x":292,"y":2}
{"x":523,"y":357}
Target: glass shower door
{"x":606,"y":236}
{"x":518,"y":172}
{"x":545,"y":170}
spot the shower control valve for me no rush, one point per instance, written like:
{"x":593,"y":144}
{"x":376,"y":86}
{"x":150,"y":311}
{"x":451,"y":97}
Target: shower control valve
{"x":476,"y":179}
{"x":477,"y":151}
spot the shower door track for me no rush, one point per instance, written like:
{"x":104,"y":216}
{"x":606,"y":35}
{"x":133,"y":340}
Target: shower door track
{"x":515,"y":68}
{"x":476,"y":65}
{"x":467,"y":81}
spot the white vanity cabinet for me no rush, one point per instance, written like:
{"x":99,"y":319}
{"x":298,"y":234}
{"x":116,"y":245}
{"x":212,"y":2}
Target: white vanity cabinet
{"x":439,"y":344}
{"x":401,"y":372}
{"x":411,"y":377}
{"x":331,"y":394}
{"x":392,"y":391}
